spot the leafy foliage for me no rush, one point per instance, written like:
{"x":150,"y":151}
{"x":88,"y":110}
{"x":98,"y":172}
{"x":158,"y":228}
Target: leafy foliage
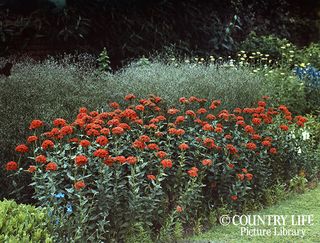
{"x":23,"y":223}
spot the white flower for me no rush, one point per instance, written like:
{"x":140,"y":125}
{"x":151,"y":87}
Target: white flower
{"x":305,"y":135}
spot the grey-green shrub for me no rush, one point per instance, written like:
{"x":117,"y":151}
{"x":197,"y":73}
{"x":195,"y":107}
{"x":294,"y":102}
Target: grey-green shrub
{"x":23,"y":223}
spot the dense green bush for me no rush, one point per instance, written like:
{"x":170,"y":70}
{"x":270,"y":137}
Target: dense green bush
{"x":310,"y":55}
{"x":23,"y":223}
{"x":269,"y":44}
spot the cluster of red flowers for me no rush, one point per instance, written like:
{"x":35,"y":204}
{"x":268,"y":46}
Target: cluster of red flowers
{"x":164,"y":133}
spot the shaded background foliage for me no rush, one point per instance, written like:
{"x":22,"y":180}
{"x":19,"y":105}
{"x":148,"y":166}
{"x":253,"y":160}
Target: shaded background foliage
{"x":133,"y":28}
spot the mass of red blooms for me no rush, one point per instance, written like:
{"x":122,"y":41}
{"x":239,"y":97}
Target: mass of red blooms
{"x":190,"y":139}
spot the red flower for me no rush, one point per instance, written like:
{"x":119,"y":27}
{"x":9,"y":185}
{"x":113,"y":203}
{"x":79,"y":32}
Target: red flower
{"x":121,"y":159}
{"x":201,"y":111}
{"x":180,"y":132}
{"x":273,"y":151}
{"x":12,"y":165}
{"x":161,"y":118}
{"x":262,"y":103}
{"x":73,"y":140}
{"x":173,"y":111}
{"x":190,"y":113}
{"x":105,"y":131}
{"x":108,"y":161}
{"x":117,"y":130}
{"x":101,"y":153}
{"x":114,"y":105}
{"x":234,"y":198}
{"x":35,"y":124}
{"x":79,"y":185}
{"x":232,"y":149}
{"x":301,"y":119}
{"x":193,"y":99}
{"x":129,"y":113}
{"x":47,"y":144}
{"x":256,"y":137}
{"x":113,"y":122}
{"x":161,"y":154}
{"x":183,"y":100}
{"x":59,"y":122}
{"x":179,"y":119}
{"x":131,"y":160}
{"x":300,"y":123}
{"x":130,"y":97}
{"x":249,"y":176}
{"x":210,"y":117}
{"x":240,"y":177}
{"x":266,"y":143}
{"x":284,"y":127}
{"x":256,"y":121}
{"x":209,"y":142}
{"x":138,"y":144}
{"x":241,"y":123}
{"x":244,"y":170}
{"x":166,"y":163}
{"x":179,"y":209}
{"x":22,"y":148}
{"x":207,"y":162}
{"x":66,"y":130}
{"x":51,"y":166}
{"x":251,"y":146}
{"x":125,"y":126}
{"x":102,"y":140}
{"x":183,"y":146}
{"x":139,"y":108}
{"x":237,"y":110}
{"x":193,"y":172}
{"x":83,"y":110}
{"x":249,"y":129}
{"x":81,"y":160}
{"x":218,"y":130}
{"x":228,"y":136}
{"x":32,"y":139}
{"x":144,"y":138}
{"x":32,"y":168}
{"x":151,"y":177}
{"x":231,"y":166}
{"x":41,"y":159}
{"x":153,"y":146}
{"x":207,"y":127}
{"x":85,"y":143}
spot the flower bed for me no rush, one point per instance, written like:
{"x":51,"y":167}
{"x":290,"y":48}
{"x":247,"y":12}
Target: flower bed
{"x":146,"y":163}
